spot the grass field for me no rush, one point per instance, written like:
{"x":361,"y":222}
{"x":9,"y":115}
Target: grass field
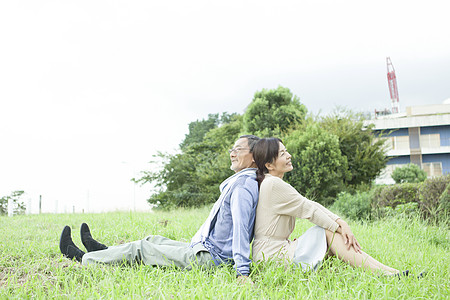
{"x":31,"y":265}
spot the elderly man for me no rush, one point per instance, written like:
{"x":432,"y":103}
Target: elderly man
{"x":224,"y":238}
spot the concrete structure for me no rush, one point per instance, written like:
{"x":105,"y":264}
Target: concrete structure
{"x":421,"y":136}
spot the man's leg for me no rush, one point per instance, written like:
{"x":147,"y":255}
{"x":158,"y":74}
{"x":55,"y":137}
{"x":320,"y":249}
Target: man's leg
{"x":153,"y":250}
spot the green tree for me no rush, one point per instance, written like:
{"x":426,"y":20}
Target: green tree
{"x":191,"y":178}
{"x":273,"y":113}
{"x":365,"y":154}
{"x":410,"y":173}
{"x":320,"y":169}
{"x":198,"y":129}
{"x":19,"y":207}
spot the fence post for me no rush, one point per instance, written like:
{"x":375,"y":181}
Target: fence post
{"x":40,"y":204}
{"x":10,"y":207}
{"x":28,"y":208}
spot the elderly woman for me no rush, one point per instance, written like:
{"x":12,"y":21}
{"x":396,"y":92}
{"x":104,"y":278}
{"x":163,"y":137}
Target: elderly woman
{"x":278,"y":207}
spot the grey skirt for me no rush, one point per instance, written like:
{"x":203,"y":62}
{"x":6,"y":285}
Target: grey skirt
{"x":311,"y":249}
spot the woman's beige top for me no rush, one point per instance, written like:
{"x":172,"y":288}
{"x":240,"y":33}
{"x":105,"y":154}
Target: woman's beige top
{"x":278,"y":206}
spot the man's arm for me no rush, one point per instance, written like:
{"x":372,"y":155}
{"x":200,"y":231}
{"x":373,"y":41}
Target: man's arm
{"x":242,"y":205}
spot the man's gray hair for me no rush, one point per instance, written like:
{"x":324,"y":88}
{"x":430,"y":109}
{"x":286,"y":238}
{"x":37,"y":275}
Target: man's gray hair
{"x":252,"y":139}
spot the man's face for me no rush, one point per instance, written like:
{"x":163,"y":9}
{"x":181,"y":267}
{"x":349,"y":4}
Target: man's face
{"x":240,"y":155}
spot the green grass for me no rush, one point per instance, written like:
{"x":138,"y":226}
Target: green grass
{"x":31,"y":265}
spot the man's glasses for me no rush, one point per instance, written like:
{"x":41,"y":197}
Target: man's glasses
{"x":237,"y":149}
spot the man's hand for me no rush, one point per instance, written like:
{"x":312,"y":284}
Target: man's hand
{"x":349,"y":237}
{"x":244,"y":280}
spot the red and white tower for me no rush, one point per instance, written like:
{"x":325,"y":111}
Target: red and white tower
{"x":392,"y":81}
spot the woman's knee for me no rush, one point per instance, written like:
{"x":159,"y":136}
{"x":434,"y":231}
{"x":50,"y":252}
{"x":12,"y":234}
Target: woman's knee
{"x":330,"y":235}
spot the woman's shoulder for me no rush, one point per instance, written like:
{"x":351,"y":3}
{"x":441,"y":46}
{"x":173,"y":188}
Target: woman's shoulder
{"x":276,"y":190}
{"x":280,"y":186}
{"x":274,"y":182}
{"x":267,"y":181}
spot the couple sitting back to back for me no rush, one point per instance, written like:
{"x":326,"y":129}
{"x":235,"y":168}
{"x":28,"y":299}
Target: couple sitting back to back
{"x":237,"y":217}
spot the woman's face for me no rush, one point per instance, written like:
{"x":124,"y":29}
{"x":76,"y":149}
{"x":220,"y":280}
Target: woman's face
{"x":282,"y":163}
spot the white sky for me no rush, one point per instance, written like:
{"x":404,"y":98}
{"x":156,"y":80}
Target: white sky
{"x":90,"y":90}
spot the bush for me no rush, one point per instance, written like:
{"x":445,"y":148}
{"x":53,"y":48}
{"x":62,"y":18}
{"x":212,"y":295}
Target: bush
{"x":355,"y":207}
{"x":431,"y":197}
{"x":410,"y":173}
{"x":434,"y":197}
{"x":408,"y":209}
{"x":444,"y":204}
{"x":393,"y":195}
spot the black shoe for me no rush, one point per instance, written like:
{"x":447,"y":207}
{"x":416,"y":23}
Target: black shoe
{"x":421,"y":275}
{"x":399,"y":275}
{"x":407,"y":273}
{"x":74,"y":252}
{"x":67,"y":246}
{"x":88,"y":241}
{"x":65,"y":240}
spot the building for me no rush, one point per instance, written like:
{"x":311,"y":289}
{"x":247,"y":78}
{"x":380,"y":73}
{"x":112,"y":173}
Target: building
{"x":421,"y":136}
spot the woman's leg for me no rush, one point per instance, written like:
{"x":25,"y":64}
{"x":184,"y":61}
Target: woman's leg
{"x":337,"y":247}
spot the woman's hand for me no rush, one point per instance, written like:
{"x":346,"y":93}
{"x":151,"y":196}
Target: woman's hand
{"x":349,"y":237}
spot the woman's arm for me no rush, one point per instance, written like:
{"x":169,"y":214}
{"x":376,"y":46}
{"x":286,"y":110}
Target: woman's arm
{"x":327,"y":211}
{"x":286,"y":200}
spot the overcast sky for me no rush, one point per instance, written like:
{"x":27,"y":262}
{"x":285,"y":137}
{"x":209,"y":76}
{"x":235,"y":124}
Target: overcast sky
{"x":90,"y":90}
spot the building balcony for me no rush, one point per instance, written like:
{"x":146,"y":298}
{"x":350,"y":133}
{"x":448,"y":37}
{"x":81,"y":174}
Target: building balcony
{"x":398,"y":152}
{"x":436,"y":150}
{"x":429,"y":150}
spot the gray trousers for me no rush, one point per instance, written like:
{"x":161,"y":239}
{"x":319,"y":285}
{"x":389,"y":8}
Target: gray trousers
{"x":154,"y":250}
